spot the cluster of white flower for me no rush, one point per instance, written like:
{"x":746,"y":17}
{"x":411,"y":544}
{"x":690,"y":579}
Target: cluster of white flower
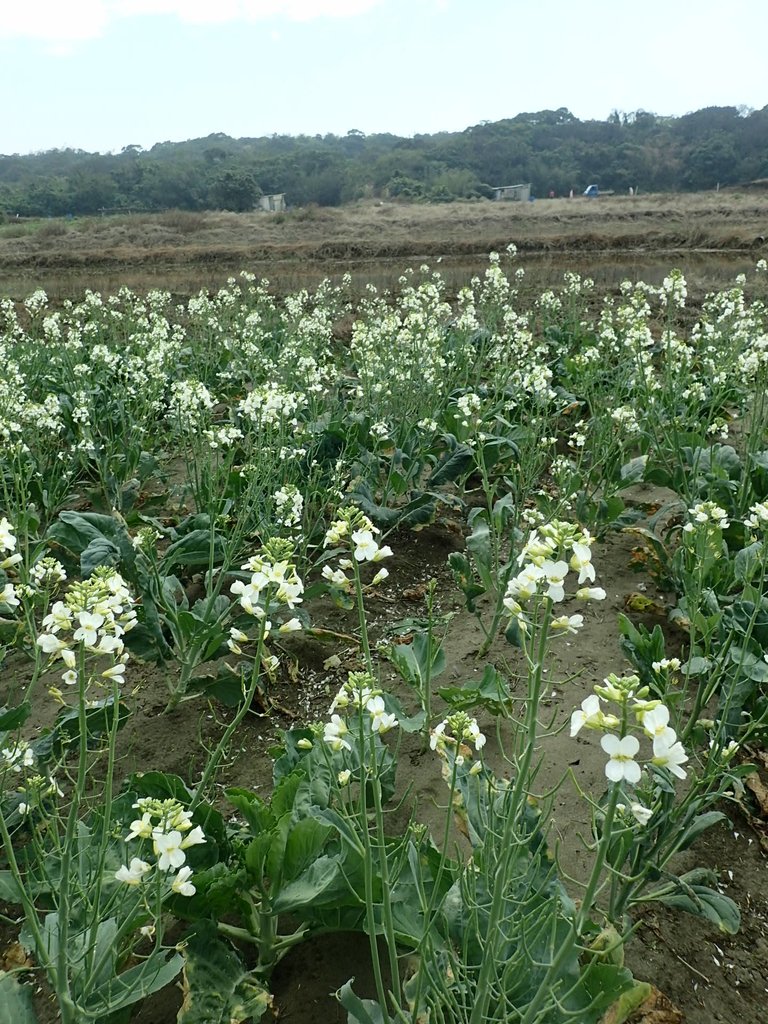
{"x":274,"y":585}
{"x":169,"y":828}
{"x":273,"y":579}
{"x":47,"y":573}
{"x":469,"y":406}
{"x":652,"y":718}
{"x":355,"y":532}
{"x":189,"y":404}
{"x":673,"y":291}
{"x":625,"y":417}
{"x":358,"y":695}
{"x":544,"y":573}
{"x":757,"y":519}
{"x":94,"y":616}
{"x":455,"y":733}
{"x":709,"y":514}
{"x":271,"y":406}
{"x":222,"y":437}
{"x":19,"y":756}
{"x":289,"y":506}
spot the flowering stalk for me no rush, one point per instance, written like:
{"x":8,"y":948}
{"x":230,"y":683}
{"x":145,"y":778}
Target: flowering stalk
{"x":212,"y":763}
{"x":514,"y":811}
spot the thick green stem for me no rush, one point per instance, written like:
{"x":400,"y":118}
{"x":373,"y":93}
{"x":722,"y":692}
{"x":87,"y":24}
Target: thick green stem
{"x":215,"y":758}
{"x":63,"y":992}
{"x":535,"y":681}
{"x":368,"y":866}
{"x":551,"y":977}
{"x":386,"y":888}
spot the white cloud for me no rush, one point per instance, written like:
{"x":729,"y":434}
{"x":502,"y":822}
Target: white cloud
{"x":53,"y":20}
{"x":59,"y":23}
{"x":247,"y":10}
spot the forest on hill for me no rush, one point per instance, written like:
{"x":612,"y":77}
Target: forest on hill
{"x":551,"y":149}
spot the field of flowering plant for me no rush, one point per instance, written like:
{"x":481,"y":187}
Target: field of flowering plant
{"x":216,"y":515}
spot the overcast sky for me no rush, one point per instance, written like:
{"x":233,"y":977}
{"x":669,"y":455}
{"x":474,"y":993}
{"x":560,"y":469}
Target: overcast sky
{"x":103,"y":74}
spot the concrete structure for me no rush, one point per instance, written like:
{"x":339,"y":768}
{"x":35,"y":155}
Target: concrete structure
{"x":272,"y":204}
{"x":517,"y":193}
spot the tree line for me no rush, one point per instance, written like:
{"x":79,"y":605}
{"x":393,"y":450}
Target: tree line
{"x":551,"y":149}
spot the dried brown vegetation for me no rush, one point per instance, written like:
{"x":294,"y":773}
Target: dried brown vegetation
{"x":725,"y":222}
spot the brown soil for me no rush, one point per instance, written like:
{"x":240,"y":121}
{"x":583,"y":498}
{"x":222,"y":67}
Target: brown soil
{"x":712,"y":978}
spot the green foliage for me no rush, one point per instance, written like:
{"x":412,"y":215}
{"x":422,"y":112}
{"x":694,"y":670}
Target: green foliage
{"x":553,"y":149}
{"x":217,"y":988}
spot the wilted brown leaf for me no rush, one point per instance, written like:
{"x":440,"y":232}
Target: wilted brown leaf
{"x":657,"y":1009}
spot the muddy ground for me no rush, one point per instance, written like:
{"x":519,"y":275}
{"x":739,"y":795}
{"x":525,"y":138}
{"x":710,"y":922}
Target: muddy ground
{"x":711,"y":978}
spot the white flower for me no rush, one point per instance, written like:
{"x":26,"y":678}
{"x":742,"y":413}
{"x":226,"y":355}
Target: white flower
{"x":344,"y":777}
{"x":581,"y":562}
{"x":591,"y":594}
{"x":110,"y":645}
{"x":656,"y":725}
{"x":141,"y":828}
{"x":366,"y":547}
{"x":472,"y":732}
{"x":621,"y":763}
{"x":334,"y":733}
{"x":525,"y":584}
{"x":670,"y":756}
{"x":568,"y":623}
{"x":554,"y":573}
{"x":291,"y":626}
{"x":181,"y":884}
{"x":134,"y":874}
{"x":116,"y":672}
{"x":381,"y":722}
{"x":437,"y":736}
{"x":382,"y":574}
{"x":588,"y":715}
{"x":7,"y":539}
{"x":8,"y":596}
{"x":193,"y":838}
{"x":336,"y":532}
{"x":641,"y":814}
{"x":50,"y":643}
{"x":168,"y":847}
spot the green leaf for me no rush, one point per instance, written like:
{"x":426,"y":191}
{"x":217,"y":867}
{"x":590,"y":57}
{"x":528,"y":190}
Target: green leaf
{"x":747,"y":562}
{"x":194,"y":549}
{"x":634,"y":470}
{"x":453,"y":465}
{"x":217,"y":987}
{"x":492,"y":691}
{"x":699,"y":824}
{"x":322,"y":884}
{"x":464,"y":576}
{"x":15,"y":1001}
{"x":135,"y":984}
{"x":359,"y":1011}
{"x":14,"y":718}
{"x":704,"y":902}
{"x":100,"y":551}
{"x":304,"y":845}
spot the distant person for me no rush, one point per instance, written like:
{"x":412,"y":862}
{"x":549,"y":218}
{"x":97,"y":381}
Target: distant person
{"x":570,"y":194}
{"x":551,"y":193}
{"x":631,"y":191}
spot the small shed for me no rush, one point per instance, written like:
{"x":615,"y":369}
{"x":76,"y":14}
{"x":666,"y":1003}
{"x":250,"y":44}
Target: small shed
{"x":516,"y":193}
{"x":273,"y":204}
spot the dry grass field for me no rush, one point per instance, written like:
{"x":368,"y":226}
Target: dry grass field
{"x":725,"y":222}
